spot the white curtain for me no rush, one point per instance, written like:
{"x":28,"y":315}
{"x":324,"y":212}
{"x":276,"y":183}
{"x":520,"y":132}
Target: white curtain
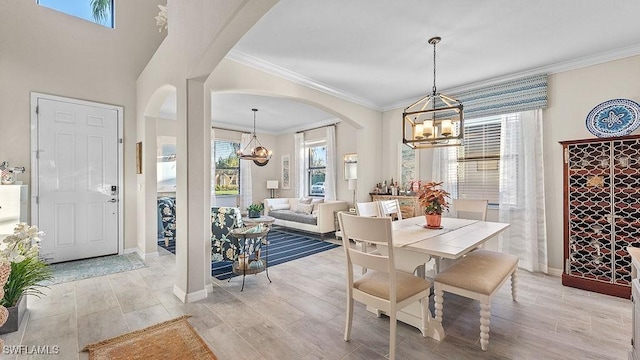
{"x":330,"y":178}
{"x":213,"y":167}
{"x":444,"y":170}
{"x":298,"y":158}
{"x":246,"y":192}
{"x":522,"y":202}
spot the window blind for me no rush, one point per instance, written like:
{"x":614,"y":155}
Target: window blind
{"x":528,"y":93}
{"x":477,"y":169}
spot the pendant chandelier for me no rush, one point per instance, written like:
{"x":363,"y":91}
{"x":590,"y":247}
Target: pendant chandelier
{"x":254,"y":149}
{"x":436,"y":120}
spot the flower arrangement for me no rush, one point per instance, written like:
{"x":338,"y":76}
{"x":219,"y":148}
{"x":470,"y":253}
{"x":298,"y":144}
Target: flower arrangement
{"x":433,"y":198}
{"x":21,"y":251}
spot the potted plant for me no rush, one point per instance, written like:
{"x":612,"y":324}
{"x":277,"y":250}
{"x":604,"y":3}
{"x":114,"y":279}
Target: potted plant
{"x":433,"y":199}
{"x":19,"y":255}
{"x":255,"y":209}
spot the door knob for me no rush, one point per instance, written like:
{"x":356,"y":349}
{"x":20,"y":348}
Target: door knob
{"x":112,"y":200}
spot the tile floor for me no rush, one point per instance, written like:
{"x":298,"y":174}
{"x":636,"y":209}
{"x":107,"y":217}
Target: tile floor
{"x":301,"y":316}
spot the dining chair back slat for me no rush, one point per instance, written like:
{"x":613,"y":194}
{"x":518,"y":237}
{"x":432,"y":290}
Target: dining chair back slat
{"x":390,"y":208}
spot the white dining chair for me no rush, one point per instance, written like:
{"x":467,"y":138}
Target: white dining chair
{"x":382,"y":287}
{"x":368,"y":209}
{"x":470,"y":209}
{"x":390,"y":208}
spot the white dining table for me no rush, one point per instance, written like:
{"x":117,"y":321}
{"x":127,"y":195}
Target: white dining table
{"x":415,"y":245}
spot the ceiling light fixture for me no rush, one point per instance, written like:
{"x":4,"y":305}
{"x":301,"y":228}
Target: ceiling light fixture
{"x":258,"y":153}
{"x":436,"y":120}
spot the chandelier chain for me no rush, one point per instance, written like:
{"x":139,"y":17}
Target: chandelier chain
{"x":434,"y":67}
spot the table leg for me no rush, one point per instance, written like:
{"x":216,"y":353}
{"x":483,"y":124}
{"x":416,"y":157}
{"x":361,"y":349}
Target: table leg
{"x":266,"y":256}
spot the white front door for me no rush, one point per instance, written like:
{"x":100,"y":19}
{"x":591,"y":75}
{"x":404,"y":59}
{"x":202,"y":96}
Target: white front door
{"x":77,"y":179}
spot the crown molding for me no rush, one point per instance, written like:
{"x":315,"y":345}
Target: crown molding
{"x":574,"y":64}
{"x":256,"y":63}
{"x":568,"y":65}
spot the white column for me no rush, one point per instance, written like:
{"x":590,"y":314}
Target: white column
{"x":193,"y":247}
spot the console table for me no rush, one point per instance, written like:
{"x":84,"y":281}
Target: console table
{"x":409,"y":205}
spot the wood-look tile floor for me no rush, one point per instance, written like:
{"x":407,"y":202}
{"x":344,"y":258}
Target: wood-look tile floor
{"x":301,"y":316}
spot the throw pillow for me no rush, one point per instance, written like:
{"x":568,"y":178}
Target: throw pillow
{"x":279,"y":207}
{"x":305,"y":208}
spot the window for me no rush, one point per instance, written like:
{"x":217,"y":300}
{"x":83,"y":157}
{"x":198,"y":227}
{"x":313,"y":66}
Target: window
{"x":317,"y":163}
{"x":97,"y":11}
{"x":226,"y":180}
{"x":477,"y":169}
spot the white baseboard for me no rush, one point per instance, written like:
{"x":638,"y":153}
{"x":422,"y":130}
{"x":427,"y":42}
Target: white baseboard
{"x":554,"y":272}
{"x":142,"y":255}
{"x":209,"y":288}
{"x":191,"y":297}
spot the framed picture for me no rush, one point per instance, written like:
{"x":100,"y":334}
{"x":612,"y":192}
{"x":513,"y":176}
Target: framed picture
{"x":286,"y":171}
{"x":139,"y":157}
{"x":408,"y":161}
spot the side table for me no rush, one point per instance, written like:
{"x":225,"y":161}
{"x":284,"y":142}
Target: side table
{"x":244,"y":264}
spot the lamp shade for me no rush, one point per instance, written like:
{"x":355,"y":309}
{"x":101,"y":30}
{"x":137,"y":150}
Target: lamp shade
{"x":272,"y":184}
{"x":352,"y":184}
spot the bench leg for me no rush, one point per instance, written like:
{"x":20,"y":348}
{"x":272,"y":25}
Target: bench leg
{"x":485,"y":320}
{"x":514,"y":282}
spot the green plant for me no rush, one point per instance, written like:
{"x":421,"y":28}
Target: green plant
{"x":433,"y":198}
{"x":255,"y":207}
{"x":21,"y":250}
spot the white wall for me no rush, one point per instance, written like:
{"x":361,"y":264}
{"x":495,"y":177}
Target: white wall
{"x":50,"y":52}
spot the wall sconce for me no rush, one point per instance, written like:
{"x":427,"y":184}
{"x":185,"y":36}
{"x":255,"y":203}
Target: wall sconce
{"x":272,"y":186}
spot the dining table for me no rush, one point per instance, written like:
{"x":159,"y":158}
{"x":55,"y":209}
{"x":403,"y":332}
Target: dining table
{"x":414,"y":245}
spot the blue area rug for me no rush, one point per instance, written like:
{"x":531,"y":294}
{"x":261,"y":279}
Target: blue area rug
{"x":87,"y":268}
{"x":284,"y":245}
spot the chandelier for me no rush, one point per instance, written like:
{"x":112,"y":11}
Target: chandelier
{"x":436,"y":120}
{"x":254,"y":149}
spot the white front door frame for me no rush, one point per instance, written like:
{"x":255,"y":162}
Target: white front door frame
{"x":34,"y":157}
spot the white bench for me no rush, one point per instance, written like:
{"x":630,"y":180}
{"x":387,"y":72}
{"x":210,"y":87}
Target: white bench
{"x":478,"y":276}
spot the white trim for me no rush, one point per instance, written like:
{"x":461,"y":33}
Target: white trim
{"x":34,"y":168}
{"x":554,"y":272}
{"x":191,"y":297}
{"x":209,"y":288}
{"x":141,"y":254}
{"x":256,"y":63}
{"x":573,"y":64}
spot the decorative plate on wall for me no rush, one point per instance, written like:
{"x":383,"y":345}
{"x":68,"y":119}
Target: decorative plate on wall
{"x":617,"y":117}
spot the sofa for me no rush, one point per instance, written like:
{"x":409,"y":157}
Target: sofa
{"x":306,"y":214}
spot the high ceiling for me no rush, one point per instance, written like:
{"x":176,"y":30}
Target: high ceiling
{"x":375,"y":52}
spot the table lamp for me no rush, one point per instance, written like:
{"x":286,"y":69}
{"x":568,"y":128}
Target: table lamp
{"x":352,"y":186}
{"x":272,"y":185}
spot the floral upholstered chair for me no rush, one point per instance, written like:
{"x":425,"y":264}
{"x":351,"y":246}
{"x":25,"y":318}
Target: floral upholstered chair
{"x":167,"y":218}
{"x":224,"y":246}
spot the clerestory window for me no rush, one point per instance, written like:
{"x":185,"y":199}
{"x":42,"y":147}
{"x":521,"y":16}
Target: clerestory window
{"x":96,"y":11}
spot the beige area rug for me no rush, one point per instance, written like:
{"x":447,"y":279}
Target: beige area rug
{"x":173,"y":339}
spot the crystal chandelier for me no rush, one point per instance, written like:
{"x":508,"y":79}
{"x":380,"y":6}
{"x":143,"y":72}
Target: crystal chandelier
{"x":254,"y":149}
{"x":436,"y":120}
